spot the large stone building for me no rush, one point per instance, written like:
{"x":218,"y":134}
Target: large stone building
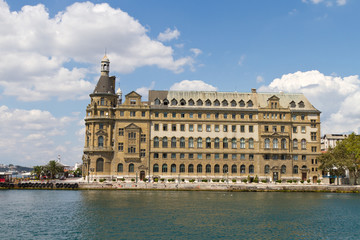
{"x":197,"y":135}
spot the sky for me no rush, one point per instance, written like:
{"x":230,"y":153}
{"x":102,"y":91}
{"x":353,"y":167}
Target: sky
{"x":51,"y":52}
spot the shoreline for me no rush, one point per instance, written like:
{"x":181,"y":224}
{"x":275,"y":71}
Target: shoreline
{"x":225,"y":187}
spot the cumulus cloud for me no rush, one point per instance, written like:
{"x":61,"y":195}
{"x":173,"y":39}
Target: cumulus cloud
{"x":193,"y":85}
{"x":259,"y":79}
{"x":30,"y":136}
{"x":37,"y":49}
{"x":336,"y":97}
{"x":168,"y":35}
{"x":328,"y":3}
{"x":144,"y":91}
{"x":196,"y":51}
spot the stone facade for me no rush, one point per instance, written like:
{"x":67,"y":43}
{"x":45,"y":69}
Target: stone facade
{"x":199,"y":135}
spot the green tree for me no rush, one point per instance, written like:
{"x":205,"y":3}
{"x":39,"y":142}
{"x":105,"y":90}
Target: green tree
{"x":352,"y":158}
{"x":38,"y":170}
{"x":54,"y":168}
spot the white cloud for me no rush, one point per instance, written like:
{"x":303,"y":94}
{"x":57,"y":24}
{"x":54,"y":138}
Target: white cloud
{"x":259,"y":79}
{"x":29,"y":136}
{"x":144,"y":91}
{"x":328,"y":3}
{"x":341,"y":2}
{"x":193,"y":85}
{"x":168,"y":35}
{"x":336,"y":97}
{"x":242,"y":59}
{"x":196,"y":51}
{"x":37,"y":49}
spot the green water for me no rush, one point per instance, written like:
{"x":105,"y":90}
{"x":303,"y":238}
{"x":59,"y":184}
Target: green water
{"x":39,"y":214}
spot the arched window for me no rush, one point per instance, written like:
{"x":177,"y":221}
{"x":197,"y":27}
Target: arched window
{"x":283,"y":143}
{"x":173,"y":168}
{"x":131,"y":167}
{"x":100,"y":141}
{"x":233,"y":143}
{"x":296,"y":169}
{"x":199,"y":142}
{"x":157,"y":101}
{"x":242,"y":103}
{"x":164,"y":167}
{"x":216,"y":168}
{"x":174,"y":102}
{"x":164,"y":142}
{"x":208,"y":168}
{"x":251,"y":168}
{"x":173,"y":142}
{"x":217,"y":142}
{"x":182,"y":102}
{"x":303,"y":144}
{"x":182,"y":168}
{"x":120,"y":167}
{"x":233,"y":103}
{"x":275,"y":143}
{"x":234,"y":169}
{"x":208,"y":142}
{"x":191,"y":142}
{"x":267,"y":143}
{"x":199,"y":168}
{"x":225,"y":143}
{"x":100,"y":165}
{"x":224,"y":103}
{"x":208,"y":103}
{"x":242,"y":169}
{"x":156,"y":168}
{"x":216,"y":103}
{"x":156,"y":142}
{"x":267,"y":169}
{"x":304,"y":167}
{"x":251,"y":143}
{"x":225,"y":168}
{"x":283,"y":169}
{"x":242,"y":143}
{"x":295,"y":143}
{"x":191,"y":102}
{"x":182,"y":142}
{"x":199,"y":102}
{"x":191,"y":168}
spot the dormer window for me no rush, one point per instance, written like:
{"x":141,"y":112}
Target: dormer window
{"x":216,"y":103}
{"x":157,"y":101}
{"x":133,"y":101}
{"x":191,"y":102}
{"x":166,"y":102}
{"x":301,"y":104}
{"x":225,"y":103}
{"x":233,"y":103}
{"x":292,"y":104}
{"x":242,"y":103}
{"x":250,"y":103}
{"x":174,"y":102}
{"x":208,"y":103}
{"x":182,"y":102}
{"x":199,"y":102}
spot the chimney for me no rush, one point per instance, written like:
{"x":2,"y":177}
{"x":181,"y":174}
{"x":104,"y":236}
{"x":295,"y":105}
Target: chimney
{"x":253,"y":90}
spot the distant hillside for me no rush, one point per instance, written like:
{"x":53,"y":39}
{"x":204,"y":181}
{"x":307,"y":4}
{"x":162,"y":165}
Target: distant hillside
{"x":15,"y":168}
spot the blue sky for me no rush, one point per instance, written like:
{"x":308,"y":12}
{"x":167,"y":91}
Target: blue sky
{"x":51,"y":52}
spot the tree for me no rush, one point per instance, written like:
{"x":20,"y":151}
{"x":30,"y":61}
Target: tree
{"x":38,"y":170}
{"x":54,"y":168}
{"x":352,"y":158}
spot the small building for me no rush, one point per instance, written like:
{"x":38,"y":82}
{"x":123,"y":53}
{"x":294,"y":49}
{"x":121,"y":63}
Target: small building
{"x":330,"y":140}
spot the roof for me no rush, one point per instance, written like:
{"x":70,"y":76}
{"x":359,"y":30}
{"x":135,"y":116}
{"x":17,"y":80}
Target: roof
{"x":105,"y":85}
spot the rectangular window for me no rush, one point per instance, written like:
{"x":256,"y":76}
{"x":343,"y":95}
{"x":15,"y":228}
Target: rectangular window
{"x":275,"y":157}
{"x":242,"y":128}
{"x":132,"y":114}
{"x":156,"y":127}
{"x":208,"y":128}
{"x":251,"y":128}
{"x":165,"y":127}
{"x":302,"y":117}
{"x":121,"y":113}
{"x":313,"y":136}
{"x":101,"y":113}
{"x":266,"y":128}
{"x":274,"y":129}
{"x":156,"y":114}
{"x":143,"y":138}
{"x":182,"y":155}
{"x":294,"y":117}
{"x":191,"y":127}
{"x":164,"y":155}
{"x":121,"y":132}
{"x":191,"y":115}
{"x":217,"y":128}
{"x":225,"y":115}
{"x":182,"y":115}
{"x":173,"y":156}
{"x":233,"y":116}
{"x":216,"y":115}
{"x":208,"y":115}
{"x":225,"y":129}
{"x":143,"y":114}
{"x":250,"y":116}
{"x":242,"y":156}
{"x":303,"y":129}
{"x":313,"y":123}
{"x":156,"y":155}
{"x":174,"y":115}
{"x":233,"y":128}
{"x":216,"y":156}
{"x":191,"y":156}
{"x":294,"y":129}
{"x":267,"y":156}
{"x":208,"y":156}
{"x":182,"y":127}
{"x":165,"y":114}
{"x":132,"y":101}
{"x":251,"y":156}
{"x":173,"y":127}
{"x":121,"y":147}
{"x":101,"y":126}
{"x":303,"y":157}
{"x":313,"y":149}
{"x":282,"y":129}
{"x":233,"y":156}
{"x":142,"y":153}
{"x":199,"y":115}
{"x":295,"y":157}
{"x":226,"y":156}
{"x":199,"y":127}
{"x":242,"y":116}
{"x":199,"y":156}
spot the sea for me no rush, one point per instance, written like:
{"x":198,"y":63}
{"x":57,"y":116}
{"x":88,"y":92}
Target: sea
{"x":106,"y":214}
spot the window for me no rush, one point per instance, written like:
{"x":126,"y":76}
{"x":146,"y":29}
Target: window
{"x":242,"y":103}
{"x":101,"y":126}
{"x":191,"y":115}
{"x":121,"y":147}
{"x":156,"y":127}
{"x":182,"y":142}
{"x":142,"y":153}
{"x":225,"y":115}
{"x":199,"y":156}
{"x":166,"y":102}
{"x":275,"y":143}
{"x":173,"y":127}
{"x":251,"y":168}
{"x":199,"y":127}
{"x":164,"y":155}
{"x":267,"y":156}
{"x":143,"y":137}
{"x":225,"y":143}
{"x":164,"y":167}
{"x":182,"y":102}
{"x":283,"y":143}
{"x":208,"y":142}
{"x":242,"y":143}
{"x":217,"y":142}
{"x":191,"y":142}
{"x":173,"y":168}
{"x":208,"y":103}
{"x":132,"y":114}
{"x":217,"y":128}
{"x":266,"y":128}
{"x":275,"y":157}
{"x":242,"y":116}
{"x":283,"y":169}
{"x":303,"y":157}
{"x":274,"y":129}
{"x":156,"y":142}
{"x":199,"y":115}
{"x":216,"y":156}
{"x":131,"y":167}
{"x":251,"y":143}
{"x":224,"y":103}
{"x":191,"y":102}
{"x":282,"y":129}
{"x":242,"y":128}
{"x":174,"y":115}
{"x":226,"y":156}
{"x":295,"y":157}
{"x":296,"y":169}
{"x":208,"y":156}
{"x":302,"y":117}
{"x":164,"y":142}
{"x":225,"y":128}
{"x":303,"y":129}
{"x":191,"y":168}
{"x":313,"y":149}
{"x":313,"y":136}
{"x":242,"y":169}
{"x":250,"y":103}
{"x":199,"y":102}
{"x":165,"y":114}
{"x":121,"y":113}
{"x":293,"y":117}
{"x":165,"y":127}
{"x":225,"y":168}
{"x":233,"y":116}
{"x":295,"y":143}
{"x":208,"y":128}
{"x":121,"y":132}
{"x":100,"y":141}
{"x":182,"y":155}
{"x":208,"y":168}
{"x":216,"y":115}
{"x":251,"y":128}
{"x":242,"y":156}
{"x":173,"y":156}
{"x":234,"y":168}
{"x":100,"y":165}
{"x":156,"y":168}
{"x":313,"y":123}
{"x":233,"y":143}
{"x":101,"y":113}
{"x":156,"y":114}
{"x":267,"y":143}
{"x":250,"y":116}
{"x":199,"y":142}
{"x":182,"y":115}
{"x":191,"y":127}
{"x":132,"y":135}
{"x":120,"y":167}
{"x":143,"y":114}
{"x":199,"y":168}
{"x":294,"y":129}
{"x":303,"y":144}
{"x":182,"y":168}
{"x":156,"y":155}
{"x":173,"y":102}
{"x":216,"y":168}
{"x":173,"y":142}
{"x":233,"y":128}
{"x":182,"y":127}
{"x":266,"y":169}
{"x":131,"y":150}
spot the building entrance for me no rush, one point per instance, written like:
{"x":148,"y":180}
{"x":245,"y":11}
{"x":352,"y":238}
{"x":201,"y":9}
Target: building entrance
{"x":275,"y":176}
{"x":142,"y":175}
{"x":304,"y":176}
